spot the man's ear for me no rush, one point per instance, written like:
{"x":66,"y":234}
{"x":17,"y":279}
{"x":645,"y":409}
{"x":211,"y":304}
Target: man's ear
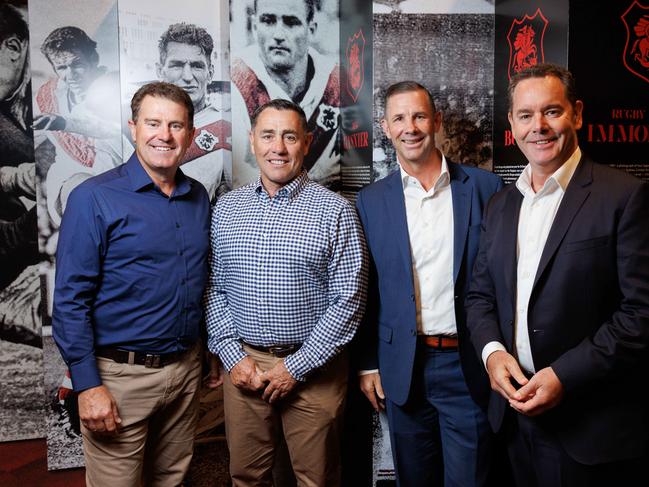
{"x":384,"y":126}
{"x":579,"y":111}
{"x":131,"y":126}
{"x":15,"y":47}
{"x":251,"y":139}
{"x":309,"y":139}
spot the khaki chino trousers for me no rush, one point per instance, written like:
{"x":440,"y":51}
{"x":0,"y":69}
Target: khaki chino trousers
{"x":159,"y":411}
{"x":310,"y":418}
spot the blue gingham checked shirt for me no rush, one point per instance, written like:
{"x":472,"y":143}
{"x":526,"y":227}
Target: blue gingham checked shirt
{"x":286,"y":270}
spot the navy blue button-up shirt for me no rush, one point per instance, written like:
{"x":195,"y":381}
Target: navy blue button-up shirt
{"x":131,"y":268}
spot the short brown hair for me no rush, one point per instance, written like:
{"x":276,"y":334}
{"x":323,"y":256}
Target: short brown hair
{"x":168,"y":91}
{"x":541,"y":71}
{"x":279,"y":104}
{"x":406,"y":87}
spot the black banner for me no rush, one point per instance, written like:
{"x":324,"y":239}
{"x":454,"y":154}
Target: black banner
{"x":613,"y":81}
{"x":527,"y":33}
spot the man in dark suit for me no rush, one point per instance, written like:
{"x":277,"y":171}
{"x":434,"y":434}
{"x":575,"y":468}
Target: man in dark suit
{"x":422,"y":228}
{"x":559,"y":303}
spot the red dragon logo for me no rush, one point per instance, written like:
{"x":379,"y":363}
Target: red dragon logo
{"x":636,"y":50}
{"x":525,"y":40}
{"x":355,"y":62}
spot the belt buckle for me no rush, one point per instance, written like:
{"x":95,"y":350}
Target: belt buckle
{"x":280,"y":350}
{"x":152,"y":361}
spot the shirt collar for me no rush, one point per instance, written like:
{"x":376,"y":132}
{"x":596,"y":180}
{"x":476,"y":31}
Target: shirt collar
{"x":444,"y":178}
{"x":559,"y":179}
{"x":291,"y":190}
{"x":140,"y":179}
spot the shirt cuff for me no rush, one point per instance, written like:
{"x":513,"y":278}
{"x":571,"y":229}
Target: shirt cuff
{"x":490,"y":348}
{"x":231,"y":355}
{"x":368,"y":372}
{"x":297,"y":366}
{"x":85,"y":374}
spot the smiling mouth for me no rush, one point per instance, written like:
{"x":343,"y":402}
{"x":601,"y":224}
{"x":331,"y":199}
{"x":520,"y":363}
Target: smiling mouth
{"x":411,"y":141}
{"x":277,"y":162}
{"x":279,"y":49}
{"x":540,"y":143}
{"x":161,"y":148}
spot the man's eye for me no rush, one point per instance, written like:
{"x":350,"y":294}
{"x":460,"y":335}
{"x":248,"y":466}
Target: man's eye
{"x":292,"y":21}
{"x":268,"y":19}
{"x":291,"y":138}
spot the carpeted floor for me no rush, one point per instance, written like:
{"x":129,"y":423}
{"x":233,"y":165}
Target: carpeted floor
{"x":24,"y":464}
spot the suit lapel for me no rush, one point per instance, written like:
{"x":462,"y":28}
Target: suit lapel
{"x":461,"y":194}
{"x":395,"y":208}
{"x":509,"y":238}
{"x":576,"y":193}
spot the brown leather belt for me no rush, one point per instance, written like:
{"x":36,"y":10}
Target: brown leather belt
{"x":439,"y":341}
{"x":279,"y":351}
{"x":149,"y":360}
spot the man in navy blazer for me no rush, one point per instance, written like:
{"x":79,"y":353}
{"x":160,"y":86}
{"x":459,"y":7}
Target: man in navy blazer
{"x":559,"y":303}
{"x":422,"y":225}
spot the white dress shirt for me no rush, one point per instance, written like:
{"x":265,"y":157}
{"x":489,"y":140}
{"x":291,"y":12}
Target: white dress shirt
{"x":534,"y":223}
{"x":430,"y":228}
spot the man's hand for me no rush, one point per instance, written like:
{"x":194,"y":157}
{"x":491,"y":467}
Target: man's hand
{"x":502,"y":367}
{"x":98,"y":410}
{"x":543,"y":391}
{"x":280,"y":383}
{"x":371,"y":386}
{"x":246,"y":375}
{"x":215,"y":376}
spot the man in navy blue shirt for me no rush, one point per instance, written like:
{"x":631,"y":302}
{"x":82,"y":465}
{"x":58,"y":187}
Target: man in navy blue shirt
{"x":131,"y":268}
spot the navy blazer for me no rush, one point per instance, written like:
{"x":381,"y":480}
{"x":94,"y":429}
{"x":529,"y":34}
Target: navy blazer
{"x":588,"y":314}
{"x":387,"y":338}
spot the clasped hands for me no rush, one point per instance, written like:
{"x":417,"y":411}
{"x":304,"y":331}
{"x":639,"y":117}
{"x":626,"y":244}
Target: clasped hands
{"x":541,"y":392}
{"x":275,"y":383}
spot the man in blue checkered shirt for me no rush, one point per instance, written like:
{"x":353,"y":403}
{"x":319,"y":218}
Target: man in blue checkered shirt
{"x":287,"y":288}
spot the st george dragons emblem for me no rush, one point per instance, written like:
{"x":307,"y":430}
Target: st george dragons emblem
{"x":636,"y":49}
{"x":525,"y":40}
{"x":355,"y":64}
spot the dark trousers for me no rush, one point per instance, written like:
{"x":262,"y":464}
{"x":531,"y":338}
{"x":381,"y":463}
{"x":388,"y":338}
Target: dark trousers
{"x":440,"y":436}
{"x":538,"y":460}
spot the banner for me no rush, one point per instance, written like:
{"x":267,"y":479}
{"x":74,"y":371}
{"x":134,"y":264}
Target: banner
{"x":528,"y":32}
{"x":21,"y":356}
{"x":613,"y":82}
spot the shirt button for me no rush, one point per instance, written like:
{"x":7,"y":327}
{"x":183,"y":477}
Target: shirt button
{"x":177,"y":225}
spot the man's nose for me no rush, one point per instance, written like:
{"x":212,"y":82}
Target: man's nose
{"x":187,"y":73}
{"x":279,"y":147}
{"x":410,"y":125}
{"x":539,"y":123}
{"x":164,"y":132}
